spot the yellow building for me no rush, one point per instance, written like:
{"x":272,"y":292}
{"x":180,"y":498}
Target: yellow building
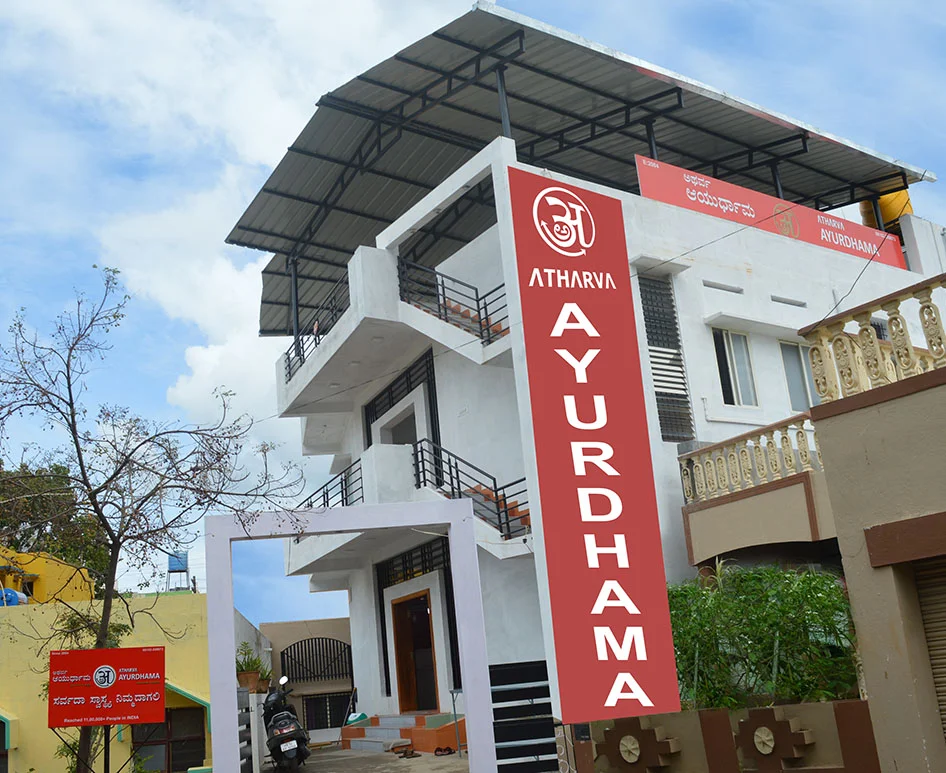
{"x":42,"y":577}
{"x":178,"y":621}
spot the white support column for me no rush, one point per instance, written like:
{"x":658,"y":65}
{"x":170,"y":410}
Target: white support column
{"x":457,"y":515}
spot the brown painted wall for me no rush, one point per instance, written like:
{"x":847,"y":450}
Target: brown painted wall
{"x":817,"y":737}
{"x":884,"y":463}
{"x":794,"y":509}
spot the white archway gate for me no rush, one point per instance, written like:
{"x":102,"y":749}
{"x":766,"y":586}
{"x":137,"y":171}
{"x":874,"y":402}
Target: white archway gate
{"x":456,"y":515}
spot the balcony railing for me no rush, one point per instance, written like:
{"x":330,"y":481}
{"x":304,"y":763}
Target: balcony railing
{"x":504,"y":507}
{"x":329,"y":307}
{"x":455,"y":301}
{"x":341,"y":491}
{"x":847,"y":363}
{"x":743,"y":462}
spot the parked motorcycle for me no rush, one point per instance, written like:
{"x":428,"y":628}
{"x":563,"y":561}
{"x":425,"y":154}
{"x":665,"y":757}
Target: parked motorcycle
{"x":286,"y":738}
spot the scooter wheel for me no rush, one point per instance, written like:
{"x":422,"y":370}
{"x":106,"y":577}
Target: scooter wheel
{"x":293,"y":765}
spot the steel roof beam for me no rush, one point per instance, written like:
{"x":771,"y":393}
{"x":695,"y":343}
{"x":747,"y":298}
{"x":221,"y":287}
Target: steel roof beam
{"x":458,"y":139}
{"x":497,"y":119}
{"x":673,"y":118}
{"x":367,"y":170}
{"x":380,"y":137}
{"x":286,"y":304}
{"x":287,"y":275}
{"x":454,"y":213}
{"x":283,"y":237}
{"x":336,"y":208}
{"x":577,"y":117}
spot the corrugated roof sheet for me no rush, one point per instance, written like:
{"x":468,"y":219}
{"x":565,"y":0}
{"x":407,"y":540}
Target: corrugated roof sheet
{"x":557,"y":81}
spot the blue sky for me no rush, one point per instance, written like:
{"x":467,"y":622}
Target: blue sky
{"x":135,"y":133}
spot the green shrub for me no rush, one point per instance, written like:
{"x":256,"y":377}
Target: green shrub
{"x":763,"y":635}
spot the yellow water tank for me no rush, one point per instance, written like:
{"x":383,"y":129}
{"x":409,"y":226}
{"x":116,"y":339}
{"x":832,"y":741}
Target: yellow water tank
{"x":892,"y":206}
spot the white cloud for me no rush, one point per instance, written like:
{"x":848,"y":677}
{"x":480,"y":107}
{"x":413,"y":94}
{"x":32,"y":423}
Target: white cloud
{"x":225,"y":86}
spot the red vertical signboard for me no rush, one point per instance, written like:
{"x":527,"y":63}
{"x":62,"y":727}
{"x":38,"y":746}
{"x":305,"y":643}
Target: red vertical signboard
{"x":607,"y":588}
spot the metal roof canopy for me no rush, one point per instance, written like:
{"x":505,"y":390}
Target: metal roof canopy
{"x":379,"y":143}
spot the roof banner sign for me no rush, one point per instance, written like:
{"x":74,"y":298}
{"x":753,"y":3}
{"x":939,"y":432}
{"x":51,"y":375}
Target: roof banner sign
{"x":700,"y":193}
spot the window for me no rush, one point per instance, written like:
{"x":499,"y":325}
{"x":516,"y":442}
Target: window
{"x":735,"y":367}
{"x":324,"y":712}
{"x":174,"y":745}
{"x":801,"y":386}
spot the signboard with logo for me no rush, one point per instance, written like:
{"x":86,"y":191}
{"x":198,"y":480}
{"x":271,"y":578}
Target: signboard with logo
{"x":607,"y":591}
{"x":106,"y":687}
{"x":673,"y":185}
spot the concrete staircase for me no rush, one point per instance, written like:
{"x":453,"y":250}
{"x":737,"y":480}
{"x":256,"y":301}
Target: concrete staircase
{"x":462,"y":317}
{"x":394,"y":733}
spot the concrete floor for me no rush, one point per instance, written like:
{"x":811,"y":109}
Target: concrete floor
{"x":345,"y":761}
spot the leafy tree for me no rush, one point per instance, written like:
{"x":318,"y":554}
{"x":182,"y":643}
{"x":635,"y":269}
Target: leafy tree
{"x":136,"y":487}
{"x":763,"y":635}
{"x":38,"y":514}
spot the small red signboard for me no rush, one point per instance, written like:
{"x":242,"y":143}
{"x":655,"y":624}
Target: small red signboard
{"x":106,"y":687}
{"x":673,"y":185}
{"x":607,"y":592}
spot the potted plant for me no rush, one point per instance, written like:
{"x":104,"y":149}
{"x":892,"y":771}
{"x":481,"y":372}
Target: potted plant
{"x":248,"y":666}
{"x":265,"y":676}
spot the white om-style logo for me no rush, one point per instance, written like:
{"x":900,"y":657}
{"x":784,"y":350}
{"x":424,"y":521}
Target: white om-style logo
{"x":563,"y":221}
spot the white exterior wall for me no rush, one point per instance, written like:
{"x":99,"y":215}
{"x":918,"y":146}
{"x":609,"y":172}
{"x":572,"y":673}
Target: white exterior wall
{"x":479,"y":410}
{"x":511,"y":606}
{"x":479,"y":419}
{"x":367,"y":663}
{"x":477,"y":263}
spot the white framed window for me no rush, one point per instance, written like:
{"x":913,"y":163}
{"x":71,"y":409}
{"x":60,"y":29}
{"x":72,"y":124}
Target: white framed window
{"x":735,"y":367}
{"x":801,"y":385}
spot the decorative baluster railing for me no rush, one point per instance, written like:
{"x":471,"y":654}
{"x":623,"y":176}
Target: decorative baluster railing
{"x":766,"y":454}
{"x":846,"y":363}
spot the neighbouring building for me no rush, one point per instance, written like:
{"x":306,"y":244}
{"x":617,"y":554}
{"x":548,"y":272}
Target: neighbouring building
{"x":394,"y":280}
{"x":40,"y":577}
{"x":176,"y":620}
{"x":865,"y":481}
{"x":315,"y":655}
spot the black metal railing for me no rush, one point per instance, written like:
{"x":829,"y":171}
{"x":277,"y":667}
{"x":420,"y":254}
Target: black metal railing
{"x":455,"y":301}
{"x":341,"y":491}
{"x":513,"y":501}
{"x":329,"y":307}
{"x":504,"y":507}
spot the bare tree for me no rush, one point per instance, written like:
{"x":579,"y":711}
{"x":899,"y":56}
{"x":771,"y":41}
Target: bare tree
{"x":144,"y":486}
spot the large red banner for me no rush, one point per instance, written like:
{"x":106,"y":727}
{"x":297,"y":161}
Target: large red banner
{"x":106,"y":687}
{"x":607,"y":588}
{"x":673,"y":185}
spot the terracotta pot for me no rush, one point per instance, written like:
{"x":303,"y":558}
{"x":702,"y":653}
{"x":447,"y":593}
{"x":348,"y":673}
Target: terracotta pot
{"x":248,"y":679}
{"x":263,"y":686}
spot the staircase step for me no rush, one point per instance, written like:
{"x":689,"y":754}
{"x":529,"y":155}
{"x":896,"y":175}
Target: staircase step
{"x":389,"y":733}
{"x":397,"y":720}
{"x":378,"y":744}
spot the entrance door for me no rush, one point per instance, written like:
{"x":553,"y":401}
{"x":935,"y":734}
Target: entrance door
{"x":414,"y":653}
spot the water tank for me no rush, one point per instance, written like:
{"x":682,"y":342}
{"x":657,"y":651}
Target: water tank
{"x":177,"y":562}
{"x":13,"y":598}
{"x":892,"y":206}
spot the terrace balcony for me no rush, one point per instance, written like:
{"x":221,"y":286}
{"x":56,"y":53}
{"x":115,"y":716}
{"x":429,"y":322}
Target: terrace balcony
{"x":374,"y":321}
{"x":768,"y":487}
{"x":763,"y":488}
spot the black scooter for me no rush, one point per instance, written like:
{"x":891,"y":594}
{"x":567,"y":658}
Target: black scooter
{"x":286,"y":739}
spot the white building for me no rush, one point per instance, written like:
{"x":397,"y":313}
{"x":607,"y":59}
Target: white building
{"x":393,"y":274}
